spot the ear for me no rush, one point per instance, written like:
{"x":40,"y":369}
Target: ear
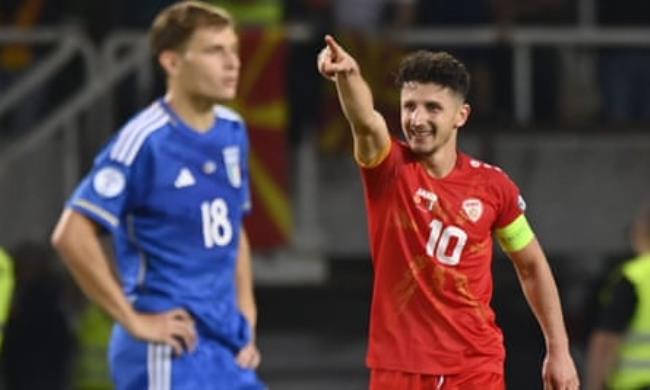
{"x":169,"y":60}
{"x":463,"y":114}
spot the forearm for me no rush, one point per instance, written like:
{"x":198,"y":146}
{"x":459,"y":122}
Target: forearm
{"x":244,"y":282}
{"x":542,"y":295}
{"x":356,"y":101}
{"x":76,"y":241}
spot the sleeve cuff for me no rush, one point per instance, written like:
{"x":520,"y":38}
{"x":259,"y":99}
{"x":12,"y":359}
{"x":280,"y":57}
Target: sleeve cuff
{"x":377,"y":160}
{"x":96,"y":213}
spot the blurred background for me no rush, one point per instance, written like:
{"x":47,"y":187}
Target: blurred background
{"x":561,"y":101}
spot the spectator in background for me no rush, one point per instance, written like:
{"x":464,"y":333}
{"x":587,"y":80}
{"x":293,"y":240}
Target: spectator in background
{"x":309,"y":19}
{"x":561,"y":85}
{"x":6,"y":289}
{"x":39,"y":344}
{"x":90,"y":369}
{"x":618,"y":356}
{"x":624,"y":71}
{"x":16,"y":59}
{"x":254,"y":13}
{"x":490,"y":66}
{"x":370,"y":16}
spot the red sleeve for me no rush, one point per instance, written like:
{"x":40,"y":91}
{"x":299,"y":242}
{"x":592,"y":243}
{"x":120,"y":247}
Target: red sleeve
{"x":380,"y":176}
{"x":512,"y":204}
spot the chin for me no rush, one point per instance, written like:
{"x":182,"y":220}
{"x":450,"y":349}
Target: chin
{"x":223,"y":97}
{"x":228,"y":95}
{"x":419,"y":148}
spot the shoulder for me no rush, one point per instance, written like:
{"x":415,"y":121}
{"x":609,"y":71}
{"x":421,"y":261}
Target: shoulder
{"x":637,"y":267}
{"x":490,"y":172}
{"x":132,"y":136}
{"x":228,"y":114}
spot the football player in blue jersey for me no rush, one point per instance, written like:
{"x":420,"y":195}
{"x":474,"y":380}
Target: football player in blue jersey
{"x":172,"y":188}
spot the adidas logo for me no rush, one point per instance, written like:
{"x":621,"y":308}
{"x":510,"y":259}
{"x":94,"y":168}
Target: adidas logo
{"x":184,"y":179}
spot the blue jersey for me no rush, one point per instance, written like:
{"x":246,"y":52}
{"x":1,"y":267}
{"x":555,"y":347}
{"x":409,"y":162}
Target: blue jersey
{"x":174,"y":200}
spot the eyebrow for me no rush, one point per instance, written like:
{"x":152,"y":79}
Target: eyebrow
{"x":434,"y":103}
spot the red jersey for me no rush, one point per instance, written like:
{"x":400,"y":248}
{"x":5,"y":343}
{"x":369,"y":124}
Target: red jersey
{"x":431,"y":244}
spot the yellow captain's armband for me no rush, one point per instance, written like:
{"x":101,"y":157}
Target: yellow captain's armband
{"x":377,"y":160}
{"x":515,"y":236}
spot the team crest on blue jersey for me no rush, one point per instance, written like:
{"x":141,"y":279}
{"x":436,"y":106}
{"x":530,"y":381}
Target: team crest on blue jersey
{"x":233,"y":170}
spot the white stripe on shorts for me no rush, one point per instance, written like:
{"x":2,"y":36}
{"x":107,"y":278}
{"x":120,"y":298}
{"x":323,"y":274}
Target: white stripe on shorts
{"x":159,"y":366}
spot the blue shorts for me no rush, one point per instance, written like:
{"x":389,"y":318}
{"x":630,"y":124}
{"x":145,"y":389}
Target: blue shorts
{"x":138,"y":365}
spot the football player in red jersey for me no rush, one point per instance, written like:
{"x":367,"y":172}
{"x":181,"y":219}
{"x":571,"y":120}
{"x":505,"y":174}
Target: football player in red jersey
{"x":432,"y":213}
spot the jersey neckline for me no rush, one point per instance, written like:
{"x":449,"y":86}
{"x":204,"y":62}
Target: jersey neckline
{"x":178,"y":123}
{"x":455,"y":171}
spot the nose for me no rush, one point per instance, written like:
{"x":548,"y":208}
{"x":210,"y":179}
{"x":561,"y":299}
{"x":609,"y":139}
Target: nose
{"x":232,"y":60}
{"x":417,"y":117}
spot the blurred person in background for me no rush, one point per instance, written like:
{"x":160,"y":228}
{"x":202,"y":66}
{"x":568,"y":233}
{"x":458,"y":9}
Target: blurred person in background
{"x":253,"y":13}
{"x":623,"y":71}
{"x":6,"y":289}
{"x":6,"y":292}
{"x":618,"y":356}
{"x":38,"y":340}
{"x":432,"y":212}
{"x":371,"y":16}
{"x":17,"y":58}
{"x":172,"y":188}
{"x":90,"y":370}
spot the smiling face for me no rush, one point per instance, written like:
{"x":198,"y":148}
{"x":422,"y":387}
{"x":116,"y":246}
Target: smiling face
{"x":431,"y":115}
{"x":207,"y":67}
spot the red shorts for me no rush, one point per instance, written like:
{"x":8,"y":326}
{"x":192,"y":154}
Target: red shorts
{"x":398,"y":380}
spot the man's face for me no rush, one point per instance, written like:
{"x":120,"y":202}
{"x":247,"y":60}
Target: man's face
{"x":430,"y":115}
{"x":208,"y":67}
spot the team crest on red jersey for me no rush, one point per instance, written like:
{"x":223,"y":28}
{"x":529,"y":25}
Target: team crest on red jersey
{"x":473,"y":208}
{"x":425,"y":200}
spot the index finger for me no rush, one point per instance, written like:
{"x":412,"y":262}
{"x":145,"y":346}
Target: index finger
{"x":181,"y":314}
{"x":334,"y":47}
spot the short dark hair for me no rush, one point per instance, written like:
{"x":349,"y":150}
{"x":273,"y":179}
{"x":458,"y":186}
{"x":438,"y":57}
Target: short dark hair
{"x":440,"y":67}
{"x":175,"y":24}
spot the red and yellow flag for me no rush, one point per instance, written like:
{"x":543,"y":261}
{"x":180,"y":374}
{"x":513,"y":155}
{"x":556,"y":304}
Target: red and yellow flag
{"x":262,"y":102}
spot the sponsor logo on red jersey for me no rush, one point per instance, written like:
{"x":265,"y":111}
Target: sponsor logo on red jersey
{"x":425,"y":200}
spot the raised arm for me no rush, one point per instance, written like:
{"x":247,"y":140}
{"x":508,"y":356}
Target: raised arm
{"x":76,"y":238}
{"x":539,"y":287}
{"x":369,"y":130}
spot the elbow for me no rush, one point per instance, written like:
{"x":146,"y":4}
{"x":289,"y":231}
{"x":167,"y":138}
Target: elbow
{"x":60,"y":238}
{"x":67,"y":232}
{"x":364,"y":125}
{"x":528,"y":271}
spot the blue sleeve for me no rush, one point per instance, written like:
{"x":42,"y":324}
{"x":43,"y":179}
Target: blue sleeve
{"x":108,"y":191}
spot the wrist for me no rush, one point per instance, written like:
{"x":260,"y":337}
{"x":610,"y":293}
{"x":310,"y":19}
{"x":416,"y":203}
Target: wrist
{"x":130,"y":321}
{"x":559,"y":345}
